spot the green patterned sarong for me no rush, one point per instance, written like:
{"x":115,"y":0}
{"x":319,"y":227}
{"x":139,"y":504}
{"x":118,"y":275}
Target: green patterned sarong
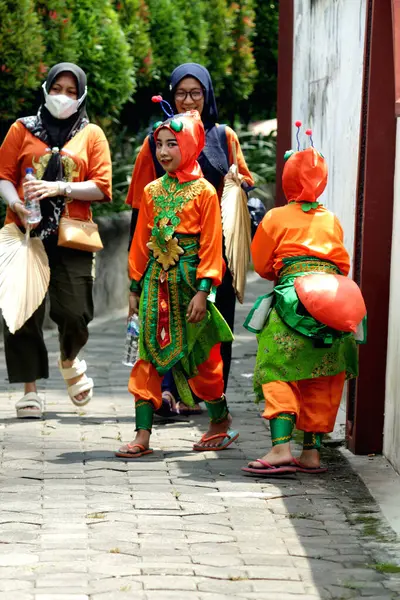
{"x":166,"y":339}
{"x":292,"y":345}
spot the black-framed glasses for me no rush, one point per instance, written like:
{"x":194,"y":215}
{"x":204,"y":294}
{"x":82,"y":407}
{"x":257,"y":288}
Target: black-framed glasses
{"x":195,"y":94}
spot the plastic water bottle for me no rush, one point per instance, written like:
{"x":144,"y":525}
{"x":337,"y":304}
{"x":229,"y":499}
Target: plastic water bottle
{"x":32,"y":204}
{"x":131,"y":342}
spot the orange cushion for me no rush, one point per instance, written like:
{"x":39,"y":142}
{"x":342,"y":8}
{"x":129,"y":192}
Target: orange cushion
{"x":334,"y":300}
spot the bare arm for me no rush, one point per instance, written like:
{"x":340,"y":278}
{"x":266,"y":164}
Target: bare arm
{"x":80,"y":190}
{"x":10,"y":195}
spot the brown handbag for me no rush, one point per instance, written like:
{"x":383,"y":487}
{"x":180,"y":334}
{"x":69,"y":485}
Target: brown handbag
{"x":78,"y":234}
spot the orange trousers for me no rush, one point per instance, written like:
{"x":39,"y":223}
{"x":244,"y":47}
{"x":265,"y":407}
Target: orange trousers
{"x":208,"y":384}
{"x":315,"y":402}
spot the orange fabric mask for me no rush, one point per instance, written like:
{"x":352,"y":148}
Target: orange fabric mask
{"x":191,"y":140}
{"x":305,"y":176}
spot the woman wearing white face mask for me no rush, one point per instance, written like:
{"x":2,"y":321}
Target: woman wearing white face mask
{"x":71,"y":161}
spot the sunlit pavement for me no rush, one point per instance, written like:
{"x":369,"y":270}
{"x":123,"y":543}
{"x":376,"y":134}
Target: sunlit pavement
{"x":77,"y":523}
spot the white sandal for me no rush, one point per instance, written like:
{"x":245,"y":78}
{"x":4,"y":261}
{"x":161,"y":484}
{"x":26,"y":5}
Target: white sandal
{"x":85,"y":384}
{"x":30,"y":405}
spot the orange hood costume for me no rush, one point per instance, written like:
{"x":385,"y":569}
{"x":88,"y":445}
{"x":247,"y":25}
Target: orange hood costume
{"x":176,"y":251}
{"x":301,"y":363}
{"x":305,"y":176}
{"x":303,"y":227}
{"x":188,"y":130}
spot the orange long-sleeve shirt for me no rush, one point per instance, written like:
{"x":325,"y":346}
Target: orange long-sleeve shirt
{"x":288,"y":231}
{"x":199,"y":216}
{"x":144,"y":171}
{"x":86,"y":157}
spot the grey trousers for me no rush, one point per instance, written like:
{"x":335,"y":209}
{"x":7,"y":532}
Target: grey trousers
{"x":71,"y":308}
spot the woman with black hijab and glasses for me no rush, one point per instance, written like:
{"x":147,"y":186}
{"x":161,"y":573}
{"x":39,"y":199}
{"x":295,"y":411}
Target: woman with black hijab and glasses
{"x":71,"y":161}
{"x":191,"y":89}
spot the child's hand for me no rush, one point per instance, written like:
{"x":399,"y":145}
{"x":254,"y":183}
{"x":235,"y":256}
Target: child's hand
{"x":133,"y":304}
{"x":197,"y":308}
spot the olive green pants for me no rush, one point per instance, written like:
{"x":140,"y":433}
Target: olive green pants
{"x":71,"y":308}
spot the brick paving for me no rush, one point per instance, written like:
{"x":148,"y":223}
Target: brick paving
{"x":78,"y":524}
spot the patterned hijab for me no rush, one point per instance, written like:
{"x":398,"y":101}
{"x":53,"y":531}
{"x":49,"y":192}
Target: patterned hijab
{"x":188,"y":130}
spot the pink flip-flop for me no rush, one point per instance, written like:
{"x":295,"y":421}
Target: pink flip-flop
{"x":230,"y":436}
{"x":129,"y":454}
{"x":311,"y":470}
{"x":270,"y":469}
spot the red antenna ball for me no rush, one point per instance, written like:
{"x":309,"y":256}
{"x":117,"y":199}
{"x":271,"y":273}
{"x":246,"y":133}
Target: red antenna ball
{"x":308,"y":131}
{"x":156,"y":99}
{"x":298,"y":123}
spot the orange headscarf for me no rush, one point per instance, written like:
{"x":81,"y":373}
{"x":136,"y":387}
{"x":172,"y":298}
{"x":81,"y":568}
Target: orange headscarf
{"x":304,"y":176}
{"x":191,"y":140}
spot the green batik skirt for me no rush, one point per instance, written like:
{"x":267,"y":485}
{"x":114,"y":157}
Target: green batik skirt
{"x":286,"y":354}
{"x":166,"y":339}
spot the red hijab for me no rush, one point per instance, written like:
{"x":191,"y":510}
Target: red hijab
{"x":191,"y":140}
{"x":305,"y":176}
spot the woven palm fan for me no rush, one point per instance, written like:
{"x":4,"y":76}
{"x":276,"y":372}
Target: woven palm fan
{"x":24,"y":275}
{"x":237,"y":230}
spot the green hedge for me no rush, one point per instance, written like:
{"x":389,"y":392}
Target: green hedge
{"x":105,"y":57}
{"x":21,"y":52}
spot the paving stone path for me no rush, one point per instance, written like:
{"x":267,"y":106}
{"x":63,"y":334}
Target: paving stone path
{"x":78,"y":524}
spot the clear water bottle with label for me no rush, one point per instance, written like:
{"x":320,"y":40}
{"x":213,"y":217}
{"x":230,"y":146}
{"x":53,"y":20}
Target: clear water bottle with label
{"x":32,"y":204}
{"x":131,"y":342}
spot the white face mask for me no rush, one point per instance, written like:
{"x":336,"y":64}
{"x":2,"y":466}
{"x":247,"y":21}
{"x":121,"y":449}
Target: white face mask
{"x":60,"y":105}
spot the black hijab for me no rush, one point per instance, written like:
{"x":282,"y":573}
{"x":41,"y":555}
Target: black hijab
{"x":56,"y":133}
{"x":213,"y":160}
{"x":209,"y":115}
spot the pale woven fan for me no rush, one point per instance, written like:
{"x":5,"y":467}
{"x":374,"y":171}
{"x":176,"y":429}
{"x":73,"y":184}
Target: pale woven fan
{"x":24,"y":275}
{"x":237,"y":230}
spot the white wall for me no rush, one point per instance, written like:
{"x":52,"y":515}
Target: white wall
{"x":327,"y":86}
{"x":391,"y":442}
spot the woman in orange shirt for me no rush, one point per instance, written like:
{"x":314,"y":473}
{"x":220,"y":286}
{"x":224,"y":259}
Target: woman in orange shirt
{"x":174,"y":260}
{"x":301,"y":364}
{"x":191,"y":88}
{"x":71,"y":161}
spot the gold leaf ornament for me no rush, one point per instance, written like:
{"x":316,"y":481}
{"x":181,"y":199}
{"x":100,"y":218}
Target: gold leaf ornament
{"x":168,"y":255}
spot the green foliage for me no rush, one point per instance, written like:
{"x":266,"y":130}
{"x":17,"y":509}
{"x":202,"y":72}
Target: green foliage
{"x":263,"y":99}
{"x":169,"y":38}
{"x":131,"y":47}
{"x":104,"y":56}
{"x":240,"y":79}
{"x":60,"y":33}
{"x":124,"y":150}
{"x":21,"y":50}
{"x":196,"y":27}
{"x":260,"y":154}
{"x":3,"y":209}
{"x":134,"y":18}
{"x":386,"y":568}
{"x":218,"y":58}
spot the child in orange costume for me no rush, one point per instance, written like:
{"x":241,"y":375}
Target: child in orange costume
{"x":300,"y":373}
{"x":174,"y":260}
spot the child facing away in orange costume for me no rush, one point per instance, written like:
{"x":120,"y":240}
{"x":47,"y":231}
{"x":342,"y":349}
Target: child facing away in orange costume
{"x":301,"y":364}
{"x":174,"y":261}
